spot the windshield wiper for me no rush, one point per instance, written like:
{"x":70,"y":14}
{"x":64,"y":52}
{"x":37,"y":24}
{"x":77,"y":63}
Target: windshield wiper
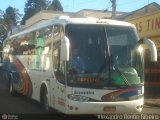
{"x":122,"y":75}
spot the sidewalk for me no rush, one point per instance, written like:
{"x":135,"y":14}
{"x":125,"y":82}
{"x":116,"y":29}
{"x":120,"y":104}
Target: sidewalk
{"x":152,"y":102}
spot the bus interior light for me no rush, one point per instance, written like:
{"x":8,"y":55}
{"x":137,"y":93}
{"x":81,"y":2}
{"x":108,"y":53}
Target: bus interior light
{"x":100,"y":21}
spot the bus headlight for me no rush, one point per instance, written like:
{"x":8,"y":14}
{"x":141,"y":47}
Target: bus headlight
{"x":140,"y":49}
{"x":78,"y":98}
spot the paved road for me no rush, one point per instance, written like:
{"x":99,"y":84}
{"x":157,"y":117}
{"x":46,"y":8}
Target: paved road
{"x":151,"y":110}
{"x":18,"y":104}
{"x":24,"y":108}
{"x":22,"y":105}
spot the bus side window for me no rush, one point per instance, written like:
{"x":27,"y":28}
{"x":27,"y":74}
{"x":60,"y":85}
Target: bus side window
{"x":58,"y":65}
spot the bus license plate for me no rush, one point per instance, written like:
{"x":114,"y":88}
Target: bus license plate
{"x":109,"y":109}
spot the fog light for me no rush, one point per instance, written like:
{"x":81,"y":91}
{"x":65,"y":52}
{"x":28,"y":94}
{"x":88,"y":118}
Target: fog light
{"x":139,"y":106}
{"x":76,"y":108}
{"x":71,"y":107}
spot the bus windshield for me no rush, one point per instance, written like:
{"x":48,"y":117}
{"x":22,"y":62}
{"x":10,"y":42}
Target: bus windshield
{"x":103,"y":56}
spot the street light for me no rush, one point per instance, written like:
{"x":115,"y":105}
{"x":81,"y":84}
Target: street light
{"x":113,"y":8}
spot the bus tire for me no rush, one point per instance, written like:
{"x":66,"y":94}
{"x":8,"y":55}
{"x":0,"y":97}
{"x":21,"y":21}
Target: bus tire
{"x":44,"y":98}
{"x":11,"y":90}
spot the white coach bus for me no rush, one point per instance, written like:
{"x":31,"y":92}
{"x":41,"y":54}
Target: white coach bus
{"x":79,"y":65}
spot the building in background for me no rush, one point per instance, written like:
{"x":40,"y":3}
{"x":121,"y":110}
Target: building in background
{"x":96,"y":13}
{"x":45,"y":15}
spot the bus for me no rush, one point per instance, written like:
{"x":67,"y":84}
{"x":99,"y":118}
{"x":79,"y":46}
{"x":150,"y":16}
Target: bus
{"x":79,"y":65}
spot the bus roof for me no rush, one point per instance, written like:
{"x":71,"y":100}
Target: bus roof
{"x":69,"y":20}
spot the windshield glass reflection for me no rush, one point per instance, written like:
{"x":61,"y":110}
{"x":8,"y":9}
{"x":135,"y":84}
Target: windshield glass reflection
{"x":96,"y":50}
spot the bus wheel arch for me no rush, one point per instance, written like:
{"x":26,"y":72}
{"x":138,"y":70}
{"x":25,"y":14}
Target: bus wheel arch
{"x":44,"y":99}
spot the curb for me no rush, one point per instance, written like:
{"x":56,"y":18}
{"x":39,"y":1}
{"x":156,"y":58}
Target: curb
{"x":152,"y":102}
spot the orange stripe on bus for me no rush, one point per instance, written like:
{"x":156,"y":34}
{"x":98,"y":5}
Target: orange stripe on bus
{"x":27,"y":86}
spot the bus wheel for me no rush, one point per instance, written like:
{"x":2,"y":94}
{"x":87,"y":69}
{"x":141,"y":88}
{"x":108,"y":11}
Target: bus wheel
{"x":11,"y":91}
{"x":44,"y":99}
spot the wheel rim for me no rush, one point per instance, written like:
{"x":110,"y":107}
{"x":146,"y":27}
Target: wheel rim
{"x":46,"y":106}
{"x":10,"y":88}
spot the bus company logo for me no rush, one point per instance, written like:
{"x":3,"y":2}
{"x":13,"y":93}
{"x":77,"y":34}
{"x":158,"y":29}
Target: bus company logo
{"x":4,"y":116}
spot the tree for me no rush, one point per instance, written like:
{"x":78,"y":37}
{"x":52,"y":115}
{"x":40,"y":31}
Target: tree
{"x":18,"y":16}
{"x":1,"y":18}
{"x":10,"y":17}
{"x":32,"y":7}
{"x":55,"y":5}
{"x":1,"y":14}
{"x":3,"y":31}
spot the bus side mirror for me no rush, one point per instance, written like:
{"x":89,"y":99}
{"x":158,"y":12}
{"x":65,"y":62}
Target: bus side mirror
{"x":152,"y":48}
{"x":65,"y":49}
